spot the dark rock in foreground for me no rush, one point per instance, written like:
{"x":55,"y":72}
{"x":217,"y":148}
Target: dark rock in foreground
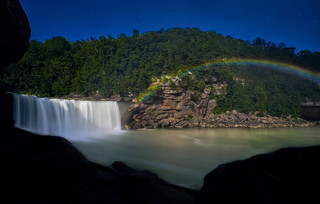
{"x":14,"y":32}
{"x":289,"y":175}
{"x":47,"y":169}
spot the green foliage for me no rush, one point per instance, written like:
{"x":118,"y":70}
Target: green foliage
{"x":153,"y":95}
{"x":195,"y":96}
{"x":125,"y":64}
{"x":192,"y":82}
{"x":173,"y":85}
{"x":212,"y":93}
{"x":269,"y":92}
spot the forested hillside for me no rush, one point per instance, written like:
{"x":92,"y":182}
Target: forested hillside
{"x":125,"y":64}
{"x":251,"y":88}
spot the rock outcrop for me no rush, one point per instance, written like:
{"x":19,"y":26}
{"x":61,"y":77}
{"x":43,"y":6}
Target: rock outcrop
{"x":97,"y":97}
{"x":14,"y":32}
{"x":14,"y":41}
{"x":289,"y":175}
{"x":180,"y":109}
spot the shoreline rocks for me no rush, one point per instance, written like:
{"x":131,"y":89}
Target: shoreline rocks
{"x":97,"y":97}
{"x":177,"y":109}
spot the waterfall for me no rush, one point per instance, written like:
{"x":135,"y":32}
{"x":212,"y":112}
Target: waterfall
{"x":65,"y":117}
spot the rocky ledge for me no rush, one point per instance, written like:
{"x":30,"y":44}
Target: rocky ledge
{"x":178,"y":109}
{"x":98,"y":97}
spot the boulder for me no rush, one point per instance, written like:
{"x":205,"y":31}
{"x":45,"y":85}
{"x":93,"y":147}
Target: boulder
{"x":289,"y":175}
{"x":14,"y":41}
{"x":14,"y":32}
{"x":165,"y":122}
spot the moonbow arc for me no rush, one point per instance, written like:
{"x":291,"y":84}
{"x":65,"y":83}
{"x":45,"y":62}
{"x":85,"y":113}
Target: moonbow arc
{"x":284,"y":67}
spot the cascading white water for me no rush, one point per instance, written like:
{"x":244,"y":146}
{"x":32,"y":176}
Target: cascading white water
{"x":65,"y":117}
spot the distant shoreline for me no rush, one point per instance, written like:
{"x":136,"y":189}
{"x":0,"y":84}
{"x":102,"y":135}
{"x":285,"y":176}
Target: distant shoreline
{"x":97,"y":97}
{"x":150,"y":118}
{"x":159,"y":117}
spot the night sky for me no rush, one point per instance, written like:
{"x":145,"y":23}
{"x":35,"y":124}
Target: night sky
{"x":296,"y":23}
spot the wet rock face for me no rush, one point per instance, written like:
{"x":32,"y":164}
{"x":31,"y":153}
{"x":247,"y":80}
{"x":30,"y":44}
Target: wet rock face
{"x":14,"y":32}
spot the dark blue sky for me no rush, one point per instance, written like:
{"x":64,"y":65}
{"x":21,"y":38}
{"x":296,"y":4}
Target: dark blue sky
{"x":296,"y":23}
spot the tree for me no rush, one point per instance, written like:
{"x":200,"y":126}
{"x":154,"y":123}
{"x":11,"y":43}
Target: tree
{"x":135,"y":33}
{"x":119,"y":65}
{"x":56,"y":46}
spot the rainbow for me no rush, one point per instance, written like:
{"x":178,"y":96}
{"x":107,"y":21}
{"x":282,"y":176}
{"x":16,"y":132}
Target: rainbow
{"x":288,"y":68}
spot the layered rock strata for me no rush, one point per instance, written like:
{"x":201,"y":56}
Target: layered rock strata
{"x":180,"y":109}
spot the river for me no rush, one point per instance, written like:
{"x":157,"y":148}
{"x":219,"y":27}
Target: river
{"x":180,"y":156}
{"x":185,"y":156}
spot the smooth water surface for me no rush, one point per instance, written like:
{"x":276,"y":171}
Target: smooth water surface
{"x":184,"y":156}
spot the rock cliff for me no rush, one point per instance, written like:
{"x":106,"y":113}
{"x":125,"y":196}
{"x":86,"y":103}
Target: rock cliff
{"x":14,"y":41}
{"x":176,"y":108}
{"x":14,"y":32}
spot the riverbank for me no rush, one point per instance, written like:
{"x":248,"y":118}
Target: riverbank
{"x":175,"y":108}
{"x":97,"y":97}
{"x":149,"y":117}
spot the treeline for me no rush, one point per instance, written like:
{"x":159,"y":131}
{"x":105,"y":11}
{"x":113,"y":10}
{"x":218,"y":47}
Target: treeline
{"x":127,"y":64}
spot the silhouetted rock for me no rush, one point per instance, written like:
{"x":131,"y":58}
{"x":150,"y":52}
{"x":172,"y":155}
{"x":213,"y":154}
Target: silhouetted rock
{"x":14,"y":41}
{"x":6,"y":111}
{"x":48,"y":169}
{"x":289,"y":175}
{"x":14,"y":32}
